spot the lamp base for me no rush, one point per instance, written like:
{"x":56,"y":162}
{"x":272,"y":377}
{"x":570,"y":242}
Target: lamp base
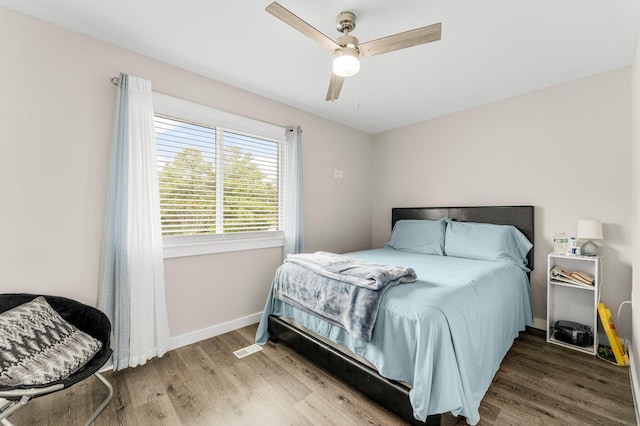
{"x":589,"y":249}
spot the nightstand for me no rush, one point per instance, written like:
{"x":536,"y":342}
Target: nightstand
{"x":574,"y":302}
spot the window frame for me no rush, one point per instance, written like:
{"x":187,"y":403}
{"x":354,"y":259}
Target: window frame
{"x":194,"y":245}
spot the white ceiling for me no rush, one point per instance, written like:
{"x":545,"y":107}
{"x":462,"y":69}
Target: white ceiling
{"x":490,"y":50}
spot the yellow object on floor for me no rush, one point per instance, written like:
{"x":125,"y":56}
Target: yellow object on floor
{"x":614,"y":340}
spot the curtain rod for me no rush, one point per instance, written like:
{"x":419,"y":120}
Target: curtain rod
{"x":115,"y":81}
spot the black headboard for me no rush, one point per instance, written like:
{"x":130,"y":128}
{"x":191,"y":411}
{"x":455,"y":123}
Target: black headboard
{"x":519,"y":216}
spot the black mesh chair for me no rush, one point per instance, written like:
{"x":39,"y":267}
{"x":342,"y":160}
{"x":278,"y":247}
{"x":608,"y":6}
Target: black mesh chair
{"x":87,"y":319}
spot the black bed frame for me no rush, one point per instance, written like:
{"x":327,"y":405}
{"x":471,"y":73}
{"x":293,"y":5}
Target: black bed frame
{"x":389,"y":393}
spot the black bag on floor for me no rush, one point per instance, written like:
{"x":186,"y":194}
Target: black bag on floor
{"x":572,"y":333}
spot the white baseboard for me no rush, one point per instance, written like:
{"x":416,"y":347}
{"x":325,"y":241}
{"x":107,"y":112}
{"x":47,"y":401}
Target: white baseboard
{"x":635,"y":386}
{"x":214,"y":330}
{"x":540,"y":324}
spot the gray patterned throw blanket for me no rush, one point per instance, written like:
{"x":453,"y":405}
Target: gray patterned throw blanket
{"x":341,"y":289}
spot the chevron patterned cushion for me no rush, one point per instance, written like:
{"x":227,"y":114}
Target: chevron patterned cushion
{"x":37,"y":346}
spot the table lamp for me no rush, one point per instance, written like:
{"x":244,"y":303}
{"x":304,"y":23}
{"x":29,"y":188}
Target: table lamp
{"x":589,"y":229}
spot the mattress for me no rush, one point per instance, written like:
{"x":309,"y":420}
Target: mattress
{"x":444,"y":335}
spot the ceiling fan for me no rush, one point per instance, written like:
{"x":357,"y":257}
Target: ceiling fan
{"x":347,"y":50}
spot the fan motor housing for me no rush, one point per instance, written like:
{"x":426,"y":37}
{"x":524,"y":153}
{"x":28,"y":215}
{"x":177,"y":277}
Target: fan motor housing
{"x":346,"y":21}
{"x":347,"y":41}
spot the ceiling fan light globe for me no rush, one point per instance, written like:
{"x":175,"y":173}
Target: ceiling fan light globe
{"x":346,"y":62}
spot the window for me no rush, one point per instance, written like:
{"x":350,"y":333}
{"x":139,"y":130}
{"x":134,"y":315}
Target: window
{"x":220,"y":177}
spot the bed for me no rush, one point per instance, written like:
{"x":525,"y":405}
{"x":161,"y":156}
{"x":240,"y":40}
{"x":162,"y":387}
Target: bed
{"x":437,"y":342}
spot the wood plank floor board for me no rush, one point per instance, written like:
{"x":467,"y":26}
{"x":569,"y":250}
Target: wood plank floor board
{"x":336,"y":393}
{"x":572,"y":389}
{"x":517,"y":401}
{"x":317,"y":379}
{"x":506,"y":402}
{"x":206,"y":373}
{"x":564,"y":389}
{"x":547,"y":403}
{"x":239,"y":380}
{"x":333,"y":393}
{"x":122,"y":415}
{"x":557,"y":363}
{"x":516,"y":418}
{"x":234,"y":380}
{"x":356,"y":409}
{"x":205,"y":384}
{"x":288,"y":386}
{"x":568,"y":375}
{"x":326,"y":411}
{"x":156,"y":412}
{"x":317,"y":408}
{"x":263,"y":386}
{"x":576,"y":375}
{"x":262,"y":406}
{"x":188,"y":394}
{"x":488,"y":411}
{"x":149,"y":401}
{"x":219,"y":351}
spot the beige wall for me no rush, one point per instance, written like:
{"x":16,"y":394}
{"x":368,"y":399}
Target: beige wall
{"x":566,"y":150}
{"x":56,"y":108}
{"x":635,"y":234}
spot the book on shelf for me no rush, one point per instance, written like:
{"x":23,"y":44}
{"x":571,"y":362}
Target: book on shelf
{"x":558,"y":273}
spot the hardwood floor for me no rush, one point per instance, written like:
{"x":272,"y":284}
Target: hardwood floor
{"x":205,"y":384}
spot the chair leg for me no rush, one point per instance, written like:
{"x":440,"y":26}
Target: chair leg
{"x":6,"y":422}
{"x":9,"y":407}
{"x":104,"y":403}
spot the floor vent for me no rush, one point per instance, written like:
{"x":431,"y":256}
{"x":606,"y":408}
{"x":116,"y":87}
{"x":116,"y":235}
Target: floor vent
{"x":252,"y":349}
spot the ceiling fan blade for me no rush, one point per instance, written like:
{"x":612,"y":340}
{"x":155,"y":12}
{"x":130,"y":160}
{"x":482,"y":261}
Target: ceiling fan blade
{"x":335,"y":85}
{"x":400,"y":41}
{"x":290,"y":19}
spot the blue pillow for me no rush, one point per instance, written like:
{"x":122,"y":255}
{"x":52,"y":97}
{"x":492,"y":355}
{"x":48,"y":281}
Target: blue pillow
{"x":418,"y":236}
{"x":485,"y":241}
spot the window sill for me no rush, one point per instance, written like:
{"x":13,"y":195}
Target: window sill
{"x":182,"y":247}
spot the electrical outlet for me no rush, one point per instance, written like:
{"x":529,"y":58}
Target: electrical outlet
{"x":338,"y":174}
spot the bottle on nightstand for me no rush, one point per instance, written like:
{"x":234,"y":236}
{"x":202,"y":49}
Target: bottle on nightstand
{"x":560,"y":243}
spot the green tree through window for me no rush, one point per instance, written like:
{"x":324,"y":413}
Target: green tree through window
{"x":250,"y":197}
{"x":188,"y":195}
{"x":192,"y":157}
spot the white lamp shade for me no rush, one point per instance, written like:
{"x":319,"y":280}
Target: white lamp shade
{"x":589,"y":229}
{"x":346,"y":62}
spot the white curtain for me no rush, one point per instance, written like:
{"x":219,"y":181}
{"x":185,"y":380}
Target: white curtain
{"x":131,"y":289}
{"x":294,"y":217}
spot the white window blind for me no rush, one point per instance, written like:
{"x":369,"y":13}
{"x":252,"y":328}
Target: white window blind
{"x":251,"y":183}
{"x":217,"y":182}
{"x":187,"y":178}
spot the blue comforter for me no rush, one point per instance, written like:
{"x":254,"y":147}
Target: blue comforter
{"x":444,"y":334}
{"x":340,"y":289}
